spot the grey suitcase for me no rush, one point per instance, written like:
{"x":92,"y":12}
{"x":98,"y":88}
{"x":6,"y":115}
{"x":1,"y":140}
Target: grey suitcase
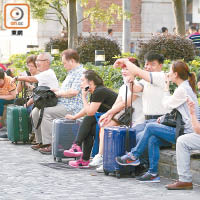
{"x":63,"y":136}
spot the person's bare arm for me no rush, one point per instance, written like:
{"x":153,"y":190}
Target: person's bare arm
{"x":30,"y":102}
{"x":135,"y":71}
{"x":30,"y":79}
{"x":77,"y":116}
{"x":67,"y":94}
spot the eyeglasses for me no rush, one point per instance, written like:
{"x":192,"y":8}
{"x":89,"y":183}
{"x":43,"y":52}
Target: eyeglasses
{"x":41,"y":60}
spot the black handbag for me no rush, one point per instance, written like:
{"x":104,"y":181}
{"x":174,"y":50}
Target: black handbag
{"x":43,"y":97}
{"x":125,"y":116}
{"x":174,"y":119}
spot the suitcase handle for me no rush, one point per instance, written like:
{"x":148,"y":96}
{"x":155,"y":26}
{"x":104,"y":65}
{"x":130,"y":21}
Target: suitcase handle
{"x":69,"y":121}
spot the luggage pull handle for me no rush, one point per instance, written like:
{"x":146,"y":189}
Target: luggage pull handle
{"x":20,"y":125}
{"x":127,"y":142}
{"x":68,"y":120}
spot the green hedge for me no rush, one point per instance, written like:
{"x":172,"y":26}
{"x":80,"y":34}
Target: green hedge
{"x":111,"y":76}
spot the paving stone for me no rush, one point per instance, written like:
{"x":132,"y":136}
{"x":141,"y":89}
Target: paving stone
{"x":24,"y":177}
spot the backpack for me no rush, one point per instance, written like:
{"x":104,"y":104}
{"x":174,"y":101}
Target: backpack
{"x":43,"y":97}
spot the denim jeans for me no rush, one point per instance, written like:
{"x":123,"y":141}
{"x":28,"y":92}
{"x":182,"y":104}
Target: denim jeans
{"x":155,"y":135}
{"x":139,"y":134}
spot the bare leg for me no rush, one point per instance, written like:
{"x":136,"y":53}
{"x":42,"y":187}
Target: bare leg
{"x":101,"y":142}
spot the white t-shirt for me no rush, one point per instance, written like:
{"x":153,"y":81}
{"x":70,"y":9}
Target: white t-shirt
{"x":138,"y":115}
{"x":47,"y":78}
{"x":153,"y":94}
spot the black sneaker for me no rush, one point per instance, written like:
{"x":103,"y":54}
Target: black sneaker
{"x":148,"y":177}
{"x":127,"y":160}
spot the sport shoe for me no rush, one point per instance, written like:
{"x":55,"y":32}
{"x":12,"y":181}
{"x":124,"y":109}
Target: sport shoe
{"x":79,"y":163}
{"x":96,"y":161}
{"x":100,"y":169}
{"x":148,"y":177}
{"x":74,"y":151}
{"x":127,"y":159}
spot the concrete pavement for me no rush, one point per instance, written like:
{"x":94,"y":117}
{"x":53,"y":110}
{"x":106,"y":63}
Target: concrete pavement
{"x":25,"y":175}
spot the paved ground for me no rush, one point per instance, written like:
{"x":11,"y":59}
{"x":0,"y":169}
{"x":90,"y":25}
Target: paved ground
{"x":24,"y":176}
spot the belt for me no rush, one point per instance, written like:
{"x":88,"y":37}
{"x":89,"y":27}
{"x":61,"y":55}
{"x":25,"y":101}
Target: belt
{"x":147,"y":117}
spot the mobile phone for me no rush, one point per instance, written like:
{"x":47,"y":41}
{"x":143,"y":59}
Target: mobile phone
{"x":87,"y":88}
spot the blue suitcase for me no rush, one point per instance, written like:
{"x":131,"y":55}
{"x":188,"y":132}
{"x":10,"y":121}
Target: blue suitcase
{"x":115,"y":145}
{"x":95,"y":149}
{"x":64,"y":134}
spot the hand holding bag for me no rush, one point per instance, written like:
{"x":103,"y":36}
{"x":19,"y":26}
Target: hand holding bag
{"x":124,"y":117}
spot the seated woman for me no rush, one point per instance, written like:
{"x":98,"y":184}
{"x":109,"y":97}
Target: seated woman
{"x":101,"y":100}
{"x":7,"y":92}
{"x":156,"y":134}
{"x":32,"y":70}
{"x":110,"y":117}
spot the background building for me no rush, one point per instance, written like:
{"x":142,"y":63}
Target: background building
{"x":148,"y":16}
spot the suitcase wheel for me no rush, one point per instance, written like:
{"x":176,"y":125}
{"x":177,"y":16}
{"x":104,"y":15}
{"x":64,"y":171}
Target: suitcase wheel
{"x":59,"y":159}
{"x":132,"y":174}
{"x":117,"y":174}
{"x":106,"y":173}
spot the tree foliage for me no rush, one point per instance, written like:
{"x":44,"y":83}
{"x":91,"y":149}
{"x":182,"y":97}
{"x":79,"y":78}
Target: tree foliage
{"x":39,"y":9}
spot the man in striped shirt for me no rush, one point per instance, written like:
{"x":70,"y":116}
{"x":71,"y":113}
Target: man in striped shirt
{"x":195,"y":37}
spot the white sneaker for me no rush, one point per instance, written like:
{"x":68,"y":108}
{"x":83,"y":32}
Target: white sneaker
{"x":96,"y":161}
{"x":100,"y":169}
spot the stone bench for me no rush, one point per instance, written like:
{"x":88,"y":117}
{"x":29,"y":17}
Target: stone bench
{"x":167,"y":164}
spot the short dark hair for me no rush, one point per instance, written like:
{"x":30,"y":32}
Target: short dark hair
{"x":2,"y":74}
{"x":31,"y":59}
{"x":71,"y":54}
{"x":192,"y":27}
{"x":91,"y":75}
{"x":163,"y":29}
{"x":110,"y":30}
{"x":151,"y":56}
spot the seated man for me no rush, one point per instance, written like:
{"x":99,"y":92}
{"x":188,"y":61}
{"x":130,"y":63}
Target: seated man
{"x":7,"y":92}
{"x":184,"y":145}
{"x":69,"y":101}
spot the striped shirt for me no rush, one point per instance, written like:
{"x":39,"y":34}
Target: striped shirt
{"x":195,"y":37}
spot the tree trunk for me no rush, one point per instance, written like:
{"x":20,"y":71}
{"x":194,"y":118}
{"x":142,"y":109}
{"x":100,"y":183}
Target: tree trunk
{"x":72,"y":25}
{"x":79,"y":18}
{"x":126,"y":27}
{"x":179,"y":12}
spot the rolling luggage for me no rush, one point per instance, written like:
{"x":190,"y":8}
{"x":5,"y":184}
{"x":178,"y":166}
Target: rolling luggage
{"x":117,"y":141}
{"x":64,"y":134}
{"x":115,"y":145}
{"x":18,"y":124}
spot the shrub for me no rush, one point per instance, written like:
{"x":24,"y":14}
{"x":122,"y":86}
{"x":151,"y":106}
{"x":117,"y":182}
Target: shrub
{"x":111,"y":76}
{"x":19,"y":64}
{"x":173,"y":47}
{"x":89,"y":44}
{"x":60,"y":43}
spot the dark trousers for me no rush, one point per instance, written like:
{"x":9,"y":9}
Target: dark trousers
{"x":2,"y":103}
{"x":86,"y":135}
